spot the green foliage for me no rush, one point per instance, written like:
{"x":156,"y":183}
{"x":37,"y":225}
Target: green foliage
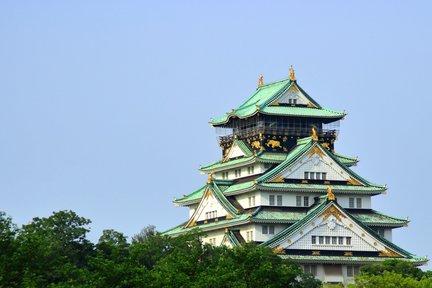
{"x":392,"y":273}
{"x":54,"y":252}
{"x":404,"y":268}
{"x":389,"y":279}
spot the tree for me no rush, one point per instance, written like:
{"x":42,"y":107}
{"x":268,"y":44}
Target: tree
{"x":8,"y":232}
{"x":53,"y":250}
{"x":404,"y":268}
{"x":390,"y":279}
{"x":392,"y":273}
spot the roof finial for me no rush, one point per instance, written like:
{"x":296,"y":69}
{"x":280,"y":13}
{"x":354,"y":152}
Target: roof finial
{"x":314,"y":134}
{"x":330,"y":194}
{"x":260,"y":81}
{"x":210,"y":178}
{"x":292,"y":75}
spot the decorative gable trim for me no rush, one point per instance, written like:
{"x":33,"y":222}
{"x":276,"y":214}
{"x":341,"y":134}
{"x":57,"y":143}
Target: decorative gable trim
{"x":332,"y":218}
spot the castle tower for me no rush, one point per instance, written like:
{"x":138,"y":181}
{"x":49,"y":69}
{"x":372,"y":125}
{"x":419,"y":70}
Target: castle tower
{"x":281,"y":184}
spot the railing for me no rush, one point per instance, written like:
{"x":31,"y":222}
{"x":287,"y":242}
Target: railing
{"x":277,"y":130}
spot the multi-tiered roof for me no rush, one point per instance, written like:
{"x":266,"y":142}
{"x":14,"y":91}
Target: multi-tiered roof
{"x":279,"y":170}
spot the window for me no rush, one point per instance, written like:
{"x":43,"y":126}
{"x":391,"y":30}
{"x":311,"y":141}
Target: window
{"x":359,"y":202}
{"x":225,"y":175}
{"x":237,"y":172}
{"x":272,"y":200}
{"x":380,"y":231}
{"x":310,"y":269}
{"x":251,"y":201}
{"x":315,"y":175}
{"x":298,"y":200}
{"x":352,"y":270}
{"x":351,"y":202}
{"x":211,"y":214}
{"x":212,"y":241}
{"x":268,"y":229}
{"x":279,"y":200}
{"x":251,"y":170}
{"x":330,"y":240}
{"x":249,"y":236}
{"x":271,"y":229}
{"x":306,"y":201}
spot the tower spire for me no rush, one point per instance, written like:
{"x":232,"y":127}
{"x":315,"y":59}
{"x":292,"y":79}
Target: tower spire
{"x":292,"y":75}
{"x":260,"y":81}
{"x":330,"y":194}
{"x":314,"y":134}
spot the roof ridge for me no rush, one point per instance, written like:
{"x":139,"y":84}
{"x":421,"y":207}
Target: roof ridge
{"x":275,"y":82}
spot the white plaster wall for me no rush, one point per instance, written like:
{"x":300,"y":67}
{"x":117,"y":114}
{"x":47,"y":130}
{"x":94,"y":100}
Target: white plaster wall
{"x":235,"y":152}
{"x":264,"y":198}
{"x":243,"y":199}
{"x":357,"y":243}
{"x":288,"y":198}
{"x":360,"y":239}
{"x":209,"y":204}
{"x":344,"y":201}
{"x":245,"y":228}
{"x":293,"y":93}
{"x":316,"y":164}
{"x":192,"y":209}
{"x":388,"y":234}
{"x":264,"y":237}
{"x":322,"y":276}
{"x":218,"y":234}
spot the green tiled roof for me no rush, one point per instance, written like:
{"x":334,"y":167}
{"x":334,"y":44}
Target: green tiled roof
{"x":348,"y":161}
{"x":303,"y":147}
{"x":222,"y":223}
{"x":275,"y":216}
{"x":243,"y":147}
{"x":262,"y":157}
{"x":320,"y":208}
{"x":367,"y":217}
{"x":266,"y":94}
{"x":345,"y":259}
{"x":226,"y":204}
{"x":271,"y":157}
{"x":240,"y":186}
{"x":302,"y":112}
{"x":375,"y":218}
{"x":322,"y":188}
{"x":232,"y":238}
{"x":194,"y":196}
{"x":278,"y":238}
{"x":224,"y":164}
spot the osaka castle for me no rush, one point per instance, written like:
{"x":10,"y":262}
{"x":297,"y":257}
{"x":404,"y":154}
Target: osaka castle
{"x":281,"y":183}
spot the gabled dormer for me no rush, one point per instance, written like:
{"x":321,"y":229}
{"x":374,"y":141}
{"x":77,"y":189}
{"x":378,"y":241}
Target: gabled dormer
{"x":213,"y":206}
{"x":328,"y":227}
{"x":310,"y":162}
{"x":295,"y":96}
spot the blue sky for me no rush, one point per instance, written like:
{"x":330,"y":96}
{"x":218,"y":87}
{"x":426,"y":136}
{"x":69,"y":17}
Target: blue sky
{"x":104,"y":105}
